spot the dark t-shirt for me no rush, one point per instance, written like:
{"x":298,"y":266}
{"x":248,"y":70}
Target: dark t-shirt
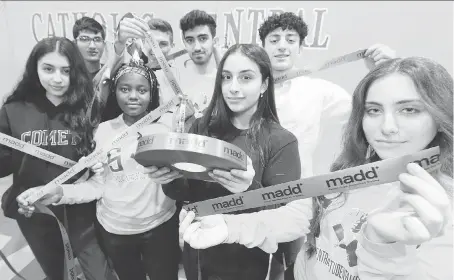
{"x":280,"y":164}
{"x":110,"y":110}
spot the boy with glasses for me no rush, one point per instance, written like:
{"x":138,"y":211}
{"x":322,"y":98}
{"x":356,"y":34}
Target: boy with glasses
{"x":89,"y":36}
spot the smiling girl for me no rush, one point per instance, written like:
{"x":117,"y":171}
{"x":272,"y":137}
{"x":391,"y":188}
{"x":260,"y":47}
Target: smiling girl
{"x":400,"y":230}
{"x":242,"y":112}
{"x":48,"y":109}
{"x":136,"y":221}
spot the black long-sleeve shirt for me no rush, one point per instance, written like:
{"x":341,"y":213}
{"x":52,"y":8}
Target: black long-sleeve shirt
{"x":280,"y":164}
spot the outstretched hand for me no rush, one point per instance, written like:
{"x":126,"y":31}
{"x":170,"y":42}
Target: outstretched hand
{"x":422,"y":215}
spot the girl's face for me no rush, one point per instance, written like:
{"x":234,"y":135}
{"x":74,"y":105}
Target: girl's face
{"x":53,"y":73}
{"x":396,"y":121}
{"x":133,"y":94}
{"x":242,"y":84}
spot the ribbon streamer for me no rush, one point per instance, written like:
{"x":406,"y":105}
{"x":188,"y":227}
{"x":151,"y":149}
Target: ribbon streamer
{"x":372,"y":174}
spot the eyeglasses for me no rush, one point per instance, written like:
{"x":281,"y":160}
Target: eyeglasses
{"x":87,"y":40}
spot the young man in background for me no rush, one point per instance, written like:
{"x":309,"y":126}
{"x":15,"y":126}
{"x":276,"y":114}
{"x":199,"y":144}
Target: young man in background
{"x":313,"y":109}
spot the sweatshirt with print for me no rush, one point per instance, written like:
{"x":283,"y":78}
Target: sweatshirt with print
{"x":37,"y":121}
{"x":342,"y":251}
{"x":128,"y":201}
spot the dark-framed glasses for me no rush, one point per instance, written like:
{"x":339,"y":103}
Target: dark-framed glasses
{"x":87,"y":40}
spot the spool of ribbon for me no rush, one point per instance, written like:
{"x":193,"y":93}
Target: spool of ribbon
{"x":193,"y":155}
{"x":190,"y":154}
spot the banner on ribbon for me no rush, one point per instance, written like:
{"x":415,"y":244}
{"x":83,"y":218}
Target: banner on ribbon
{"x":35,"y":151}
{"x":375,"y":173}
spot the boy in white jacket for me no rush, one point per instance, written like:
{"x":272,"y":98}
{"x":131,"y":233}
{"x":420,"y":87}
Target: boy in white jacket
{"x":314,"y":110}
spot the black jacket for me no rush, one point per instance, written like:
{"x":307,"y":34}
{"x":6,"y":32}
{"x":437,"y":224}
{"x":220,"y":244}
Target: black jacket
{"x":281,"y":163}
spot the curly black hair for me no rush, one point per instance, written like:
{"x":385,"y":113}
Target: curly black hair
{"x":286,"y":21}
{"x":196,"y":18}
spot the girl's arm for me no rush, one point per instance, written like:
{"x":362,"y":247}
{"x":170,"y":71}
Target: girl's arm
{"x":83,"y":192}
{"x":265,"y":229}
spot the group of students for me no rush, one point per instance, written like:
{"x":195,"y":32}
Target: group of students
{"x":121,"y":213}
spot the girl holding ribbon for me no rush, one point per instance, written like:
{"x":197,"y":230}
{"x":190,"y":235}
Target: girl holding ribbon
{"x":242,"y":112}
{"x":401,"y":230}
{"x":137,"y":223}
{"x":48,"y":109}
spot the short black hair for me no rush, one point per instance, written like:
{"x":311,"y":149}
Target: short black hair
{"x":161,"y":25}
{"x":197,"y":18}
{"x":88,"y":23}
{"x":286,"y":21}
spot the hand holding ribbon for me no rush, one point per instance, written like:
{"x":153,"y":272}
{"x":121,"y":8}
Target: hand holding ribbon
{"x":235,"y":180}
{"x":423,"y":211}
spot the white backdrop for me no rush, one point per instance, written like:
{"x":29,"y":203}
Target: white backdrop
{"x":335,"y":28}
{"x":412,"y":28}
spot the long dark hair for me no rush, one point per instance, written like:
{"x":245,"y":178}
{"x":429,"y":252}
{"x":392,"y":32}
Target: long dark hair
{"x":435,"y":86}
{"x":218,"y":115}
{"x":80,"y":92}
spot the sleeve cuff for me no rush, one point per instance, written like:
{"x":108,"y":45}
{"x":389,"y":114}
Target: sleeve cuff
{"x":68,"y":195}
{"x":233,"y":226}
{"x":120,"y":55}
{"x":382,"y":250}
{"x":73,"y":195}
{"x":249,"y":234}
{"x":64,"y":200}
{"x":385,"y":259}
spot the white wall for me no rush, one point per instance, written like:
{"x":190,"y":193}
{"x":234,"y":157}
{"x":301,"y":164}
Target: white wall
{"x":410,"y":27}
